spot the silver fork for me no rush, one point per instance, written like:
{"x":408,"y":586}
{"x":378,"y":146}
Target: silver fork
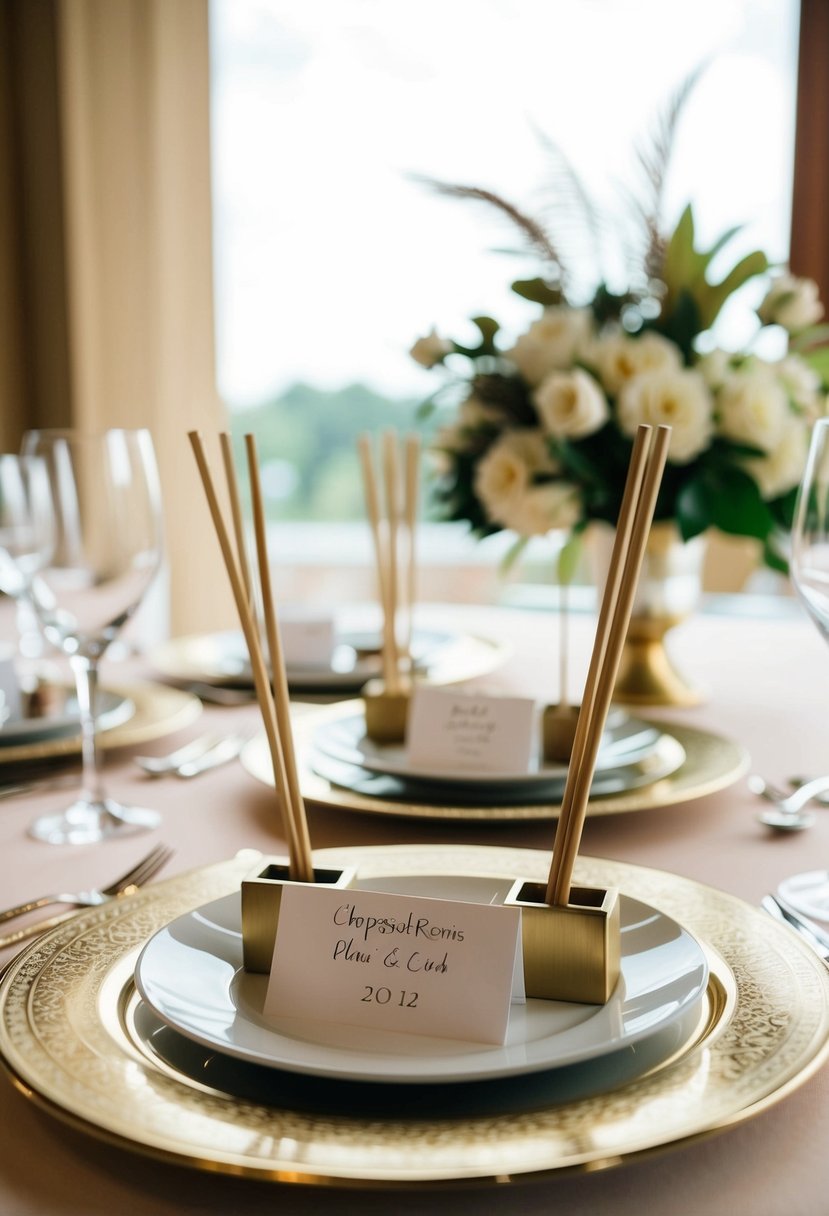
{"x":138,"y":873}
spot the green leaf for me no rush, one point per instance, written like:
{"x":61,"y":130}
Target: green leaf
{"x":808,"y":337}
{"x":818,"y":360}
{"x":537,"y":291}
{"x":512,"y":555}
{"x":489,"y":328}
{"x":738,"y":508}
{"x":712,"y":296}
{"x":693,"y":508}
{"x":425,"y":409}
{"x":682,"y":264}
{"x":568,"y":559}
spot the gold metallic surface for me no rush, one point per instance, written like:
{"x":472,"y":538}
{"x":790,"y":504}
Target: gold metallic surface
{"x":64,"y":1040}
{"x":159,"y":710}
{"x":387,"y":713}
{"x":646,"y":674}
{"x":712,"y":763}
{"x":571,"y":953}
{"x":261,"y":899}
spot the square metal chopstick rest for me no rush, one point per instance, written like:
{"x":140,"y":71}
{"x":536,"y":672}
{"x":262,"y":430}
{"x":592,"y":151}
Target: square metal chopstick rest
{"x":572,"y":952}
{"x":261,"y":897}
{"x":387,"y":713}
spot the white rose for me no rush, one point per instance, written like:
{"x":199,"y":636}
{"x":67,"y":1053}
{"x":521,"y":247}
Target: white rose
{"x":791,"y":302}
{"x":553,"y":341}
{"x":431,"y":350}
{"x":508,"y":468}
{"x":679,"y":399}
{"x":619,"y":357}
{"x":782,"y":468}
{"x":753,"y":408}
{"x":715,"y":367}
{"x":571,"y":404}
{"x":539,"y":509}
{"x":802,"y":383}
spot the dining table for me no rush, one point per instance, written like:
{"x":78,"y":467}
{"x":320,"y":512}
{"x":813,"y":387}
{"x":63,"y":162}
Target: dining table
{"x":762,"y":672}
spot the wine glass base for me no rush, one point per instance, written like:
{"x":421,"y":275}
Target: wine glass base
{"x":808,"y":893}
{"x":86,"y":822}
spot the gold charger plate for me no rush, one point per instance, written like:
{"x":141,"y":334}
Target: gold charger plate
{"x":65,"y":1041}
{"x":200,"y":657}
{"x":158,"y":711}
{"x":712,"y":763}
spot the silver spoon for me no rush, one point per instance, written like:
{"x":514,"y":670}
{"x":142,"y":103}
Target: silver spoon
{"x":795,"y":782}
{"x":787,"y":814}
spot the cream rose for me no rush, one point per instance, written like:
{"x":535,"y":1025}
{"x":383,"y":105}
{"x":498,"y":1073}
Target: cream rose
{"x":508,"y":468}
{"x":753,"y":407}
{"x":715,"y":367}
{"x":571,"y":404}
{"x":802,"y":383}
{"x":782,"y":468}
{"x":539,"y":509}
{"x":679,"y":399}
{"x":791,"y":302}
{"x":431,"y":350}
{"x":551,"y":342}
{"x":619,"y":358}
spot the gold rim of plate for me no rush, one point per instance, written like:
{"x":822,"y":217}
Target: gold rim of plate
{"x":64,"y":1040}
{"x":158,"y":711}
{"x":712,"y":763}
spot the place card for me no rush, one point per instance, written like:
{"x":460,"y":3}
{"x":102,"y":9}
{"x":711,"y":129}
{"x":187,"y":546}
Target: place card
{"x":308,"y":639}
{"x":457,"y":731}
{"x":419,"y":966}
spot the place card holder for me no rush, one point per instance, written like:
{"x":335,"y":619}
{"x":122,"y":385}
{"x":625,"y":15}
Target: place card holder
{"x":387,"y":711}
{"x":261,"y":898}
{"x":558,"y":733}
{"x":571,"y":952}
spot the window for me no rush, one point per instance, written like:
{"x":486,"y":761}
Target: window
{"x":331,"y":259}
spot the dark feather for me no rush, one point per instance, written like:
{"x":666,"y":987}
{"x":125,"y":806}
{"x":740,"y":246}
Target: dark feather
{"x":533,"y":232}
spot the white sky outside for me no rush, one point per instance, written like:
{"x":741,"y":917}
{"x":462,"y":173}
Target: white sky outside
{"x":329,"y":261}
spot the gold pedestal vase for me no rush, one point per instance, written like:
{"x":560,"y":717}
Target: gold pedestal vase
{"x":669,"y":591}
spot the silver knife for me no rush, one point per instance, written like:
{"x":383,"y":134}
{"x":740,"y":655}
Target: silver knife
{"x":817,"y":938}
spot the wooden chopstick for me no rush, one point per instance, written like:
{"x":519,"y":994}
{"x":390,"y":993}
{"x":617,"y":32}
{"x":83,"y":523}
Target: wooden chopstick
{"x":391,"y":483}
{"x":412,"y":478}
{"x":636,"y":514}
{"x":279,"y":678}
{"x":236,"y":511}
{"x":297,"y":866}
{"x":391,"y":674}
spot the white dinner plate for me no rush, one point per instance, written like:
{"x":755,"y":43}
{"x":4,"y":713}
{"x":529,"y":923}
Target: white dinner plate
{"x":665,"y":758}
{"x":62,"y":718}
{"x":625,"y":741}
{"x":190,"y":973}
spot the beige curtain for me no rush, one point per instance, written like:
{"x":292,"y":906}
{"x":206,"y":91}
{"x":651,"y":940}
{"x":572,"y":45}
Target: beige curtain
{"x":106,"y":295}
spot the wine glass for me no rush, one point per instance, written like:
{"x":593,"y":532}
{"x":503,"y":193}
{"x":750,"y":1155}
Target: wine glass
{"x":106,"y":517}
{"x":809,"y":572}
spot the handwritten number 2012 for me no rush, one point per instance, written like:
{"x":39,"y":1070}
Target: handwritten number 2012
{"x":382,"y":996}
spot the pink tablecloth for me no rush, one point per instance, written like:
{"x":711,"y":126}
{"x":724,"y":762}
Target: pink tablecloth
{"x":767,"y":682}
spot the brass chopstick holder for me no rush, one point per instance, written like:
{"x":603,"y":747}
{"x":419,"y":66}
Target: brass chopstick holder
{"x":261,"y":900}
{"x":571,"y":952}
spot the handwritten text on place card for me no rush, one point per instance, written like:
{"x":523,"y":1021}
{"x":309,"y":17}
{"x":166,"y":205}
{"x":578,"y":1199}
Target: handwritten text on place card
{"x":451,"y":730}
{"x":394,"y":962}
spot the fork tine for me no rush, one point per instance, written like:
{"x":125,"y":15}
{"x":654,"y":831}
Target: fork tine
{"x":136,"y":869}
{"x":150,"y":868}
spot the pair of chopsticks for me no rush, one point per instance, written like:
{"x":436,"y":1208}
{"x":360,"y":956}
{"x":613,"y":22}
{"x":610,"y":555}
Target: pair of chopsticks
{"x":647,"y":464}
{"x":273,"y":698}
{"x":400,"y":509}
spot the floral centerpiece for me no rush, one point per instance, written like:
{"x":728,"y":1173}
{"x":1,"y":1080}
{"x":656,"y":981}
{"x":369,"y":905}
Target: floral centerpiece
{"x":541,"y":423}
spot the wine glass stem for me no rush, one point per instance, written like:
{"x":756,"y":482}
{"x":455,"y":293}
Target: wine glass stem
{"x":86,"y":683}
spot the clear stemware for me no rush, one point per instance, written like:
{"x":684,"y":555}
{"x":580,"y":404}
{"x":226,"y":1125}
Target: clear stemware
{"x":809,"y":572}
{"x":106,"y":504}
